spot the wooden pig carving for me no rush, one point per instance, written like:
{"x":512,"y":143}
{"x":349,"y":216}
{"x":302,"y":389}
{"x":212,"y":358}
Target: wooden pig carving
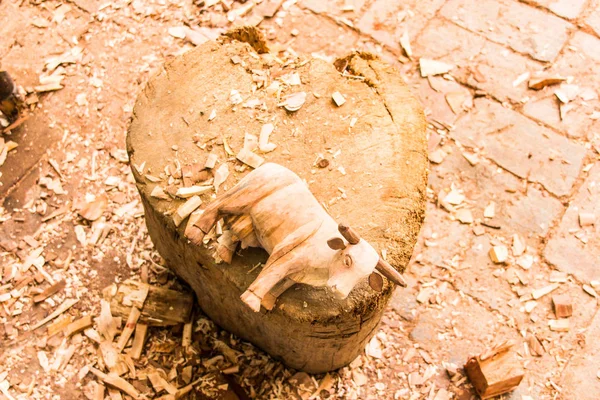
{"x":272,"y":208}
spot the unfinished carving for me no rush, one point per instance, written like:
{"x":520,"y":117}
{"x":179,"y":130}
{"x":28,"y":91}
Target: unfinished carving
{"x":272,"y":208}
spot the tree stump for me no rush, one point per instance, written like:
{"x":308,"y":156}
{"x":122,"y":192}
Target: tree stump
{"x":376,"y":150}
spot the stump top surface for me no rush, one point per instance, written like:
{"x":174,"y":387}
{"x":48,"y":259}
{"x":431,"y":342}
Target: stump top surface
{"x":379,"y":163}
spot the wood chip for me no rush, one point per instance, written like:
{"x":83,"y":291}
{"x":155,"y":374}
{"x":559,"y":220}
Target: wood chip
{"x":563,"y":307}
{"x":186,"y":339}
{"x":78,"y":325}
{"x":539,"y":83}
{"x":537,"y":293}
{"x":405,"y":43}
{"x":490,"y":210}
{"x":518,"y":245}
{"x":456,"y":100}
{"x":535,"y":347}
{"x":106,"y":323}
{"x":250,"y":158}
{"x":464,"y":216}
{"x":338,"y":99}
{"x":589,"y":290}
{"x":431,"y":67}
{"x":558,"y":277}
{"x":359,"y":378}
{"x":530,"y":305}
{"x":454,"y":197}
{"x":213,"y":115}
{"x":139,"y":339}
{"x":263,"y":141}
{"x":159,"y":193}
{"x":586,"y":219}
{"x":471,"y":158}
{"x":499,"y":254}
{"x":525,"y":261}
{"x":134,"y":315}
{"x":50,"y":291}
{"x":231,"y":370}
{"x":211,"y":161}
{"x":50,"y":87}
{"x":294,"y":101}
{"x":116,"y":382}
{"x":221,"y":176}
{"x":59,"y":325}
{"x":94,"y":209}
{"x":186,"y":209}
{"x":187,"y":192}
{"x":437,"y":156}
{"x":559,"y":325}
{"x":159,"y":383}
{"x":93,"y":335}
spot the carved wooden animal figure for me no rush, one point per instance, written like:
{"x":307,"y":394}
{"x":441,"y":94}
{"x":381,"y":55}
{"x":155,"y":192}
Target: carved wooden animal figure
{"x":272,"y":208}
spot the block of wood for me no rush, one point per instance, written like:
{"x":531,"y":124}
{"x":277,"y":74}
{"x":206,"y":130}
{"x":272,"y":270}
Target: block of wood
{"x":495,"y":372}
{"x":158,"y":306}
{"x":384,"y":188}
{"x":563,"y":306}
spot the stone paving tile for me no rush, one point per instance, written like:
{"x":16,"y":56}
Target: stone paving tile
{"x":593,"y":20}
{"x":439,"y":241}
{"x":521,"y":146}
{"x":432,"y":93}
{"x":329,"y":40}
{"x":13,"y":23}
{"x":581,"y":59}
{"x":580,"y":379}
{"x":477,"y":274}
{"x":522,"y":27}
{"x":386,"y":21}
{"x":479,"y":63}
{"x":569,"y":9}
{"x":441,"y":322}
{"x":564,"y":249}
{"x":576,"y":123}
{"x":518,"y":208}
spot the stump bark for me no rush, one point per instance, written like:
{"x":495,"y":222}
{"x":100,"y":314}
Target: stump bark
{"x":380,"y":163}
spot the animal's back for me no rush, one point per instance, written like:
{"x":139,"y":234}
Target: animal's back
{"x":285,"y":209}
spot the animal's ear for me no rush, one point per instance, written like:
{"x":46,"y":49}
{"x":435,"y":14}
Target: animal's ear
{"x":336,"y":243}
{"x":376,"y":282}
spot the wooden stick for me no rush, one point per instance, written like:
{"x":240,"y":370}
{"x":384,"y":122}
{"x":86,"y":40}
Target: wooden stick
{"x":61,"y":309}
{"x":59,"y":325}
{"x":99,"y":392}
{"x":116,"y":382}
{"x":141,"y":330}
{"x":134,"y":315}
{"x":49,"y":291}
{"x":186,"y":339}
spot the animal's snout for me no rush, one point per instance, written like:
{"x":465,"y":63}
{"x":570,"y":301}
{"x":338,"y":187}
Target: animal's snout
{"x":341,"y":290}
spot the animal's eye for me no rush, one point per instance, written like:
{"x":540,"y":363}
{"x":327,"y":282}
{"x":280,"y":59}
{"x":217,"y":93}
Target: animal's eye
{"x":348,"y":261}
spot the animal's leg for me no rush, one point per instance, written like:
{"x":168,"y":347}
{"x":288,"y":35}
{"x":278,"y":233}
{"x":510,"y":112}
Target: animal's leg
{"x":270,"y":276}
{"x":242,"y":227}
{"x":270,"y":298}
{"x":226,"y":246}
